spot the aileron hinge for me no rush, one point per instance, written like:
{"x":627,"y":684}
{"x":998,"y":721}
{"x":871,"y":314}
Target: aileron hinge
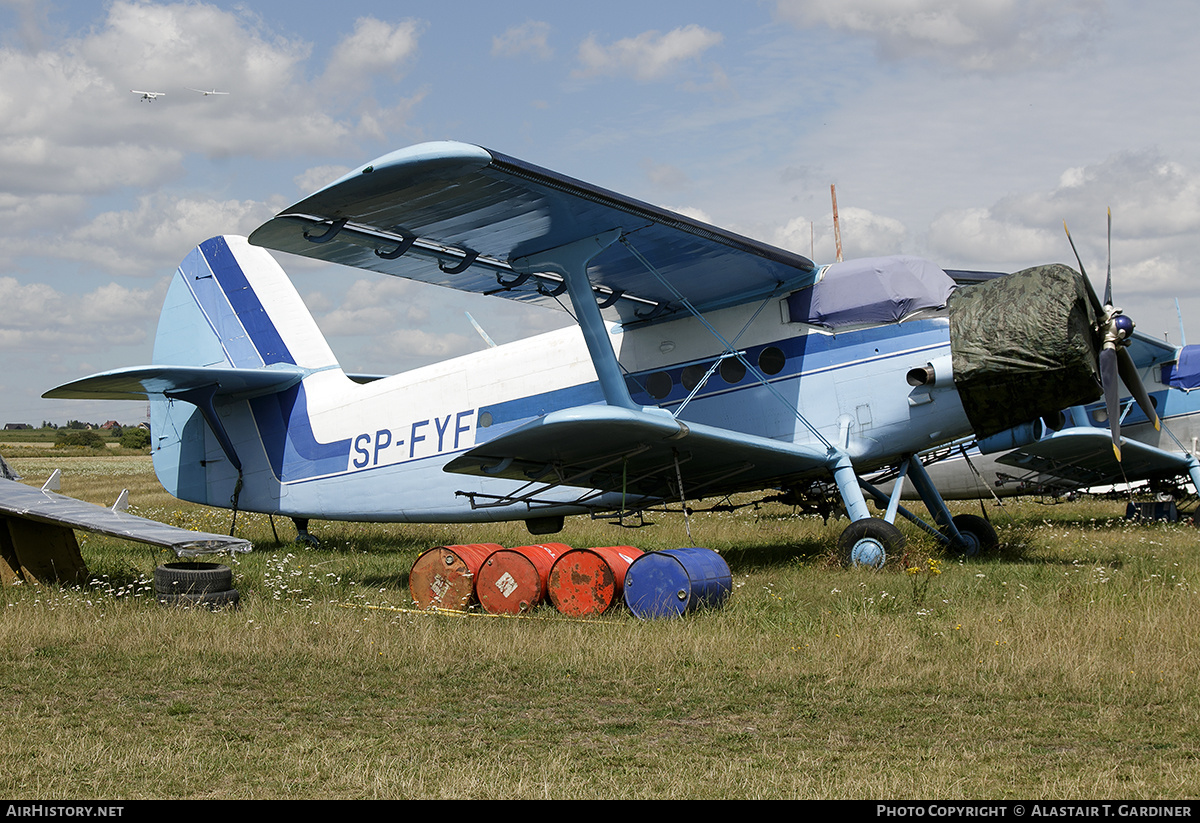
{"x":462,"y":265}
{"x":328,"y":234}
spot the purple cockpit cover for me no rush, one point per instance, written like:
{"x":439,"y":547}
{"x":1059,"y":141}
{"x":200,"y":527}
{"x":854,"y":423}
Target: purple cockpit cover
{"x":1185,"y":374}
{"x":871,"y":290}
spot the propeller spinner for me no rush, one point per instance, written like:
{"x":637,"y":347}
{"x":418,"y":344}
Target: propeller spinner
{"x":1116,"y":332}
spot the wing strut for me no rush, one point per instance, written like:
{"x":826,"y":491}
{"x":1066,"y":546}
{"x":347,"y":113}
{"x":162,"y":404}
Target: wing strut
{"x":571,"y":261}
{"x":729,"y":347}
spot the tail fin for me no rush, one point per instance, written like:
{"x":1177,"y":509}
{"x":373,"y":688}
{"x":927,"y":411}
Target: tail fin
{"x":234,"y":342}
{"x":232,"y":311}
{"x":230,"y":304}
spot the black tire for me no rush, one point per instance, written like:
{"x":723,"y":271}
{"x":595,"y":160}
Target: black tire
{"x":209,"y":600}
{"x":978,"y":536}
{"x":868,"y":542}
{"x":192,"y":578}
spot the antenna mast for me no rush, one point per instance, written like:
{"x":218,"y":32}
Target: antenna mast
{"x":837,"y":231}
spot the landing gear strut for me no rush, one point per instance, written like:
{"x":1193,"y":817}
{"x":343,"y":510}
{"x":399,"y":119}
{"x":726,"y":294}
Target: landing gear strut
{"x":868,"y":540}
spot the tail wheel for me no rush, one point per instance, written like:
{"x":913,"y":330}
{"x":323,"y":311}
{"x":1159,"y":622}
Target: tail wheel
{"x":978,"y":536}
{"x":868,"y":542}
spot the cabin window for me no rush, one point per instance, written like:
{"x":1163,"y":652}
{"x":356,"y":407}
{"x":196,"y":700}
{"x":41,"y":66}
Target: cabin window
{"x":485,"y":419}
{"x":732,"y":370}
{"x":658,"y":385}
{"x":771,"y":360}
{"x":692,"y":375}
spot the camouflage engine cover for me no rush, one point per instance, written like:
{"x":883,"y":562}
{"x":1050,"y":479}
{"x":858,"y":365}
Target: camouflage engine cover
{"x":1024,"y":346}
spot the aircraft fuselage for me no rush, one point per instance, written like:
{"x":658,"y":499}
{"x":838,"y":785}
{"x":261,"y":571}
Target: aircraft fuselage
{"x":340,"y":449}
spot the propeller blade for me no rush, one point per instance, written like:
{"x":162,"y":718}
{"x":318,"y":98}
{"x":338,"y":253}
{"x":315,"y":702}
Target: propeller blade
{"x":1108,"y":301}
{"x":1108,"y":380}
{"x":1096,"y":304}
{"x":1129,"y":376}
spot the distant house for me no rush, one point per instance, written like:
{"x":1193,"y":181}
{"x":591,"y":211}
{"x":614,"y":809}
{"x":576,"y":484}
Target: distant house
{"x":12,"y":427}
{"x":111,"y":424}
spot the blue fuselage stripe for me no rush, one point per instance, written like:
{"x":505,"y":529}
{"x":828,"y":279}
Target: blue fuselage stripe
{"x":803,"y":355}
{"x":259,"y":330}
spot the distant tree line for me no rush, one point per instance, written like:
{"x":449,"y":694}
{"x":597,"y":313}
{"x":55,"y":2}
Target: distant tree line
{"x":76,"y":434}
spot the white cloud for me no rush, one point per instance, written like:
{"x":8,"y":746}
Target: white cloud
{"x":665,"y":175}
{"x":372,"y":307}
{"x":36,"y":164}
{"x":147,"y":241}
{"x":318,"y":177}
{"x":37,"y":315}
{"x":864,"y":234}
{"x":1155,"y":204}
{"x":31,"y":20}
{"x":528,"y":39}
{"x":971,"y":34}
{"x":649,"y":56}
{"x":408,"y":345}
{"x":374,"y":48}
{"x":982,"y":236}
{"x":26,"y":214}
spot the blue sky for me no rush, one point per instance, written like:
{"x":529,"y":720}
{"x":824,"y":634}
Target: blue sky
{"x":965,"y":132}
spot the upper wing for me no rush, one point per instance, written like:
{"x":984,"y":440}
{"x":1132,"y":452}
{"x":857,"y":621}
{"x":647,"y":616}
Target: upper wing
{"x":457,"y":215}
{"x":1083,"y":457}
{"x":636,"y":452}
{"x":19,"y":500}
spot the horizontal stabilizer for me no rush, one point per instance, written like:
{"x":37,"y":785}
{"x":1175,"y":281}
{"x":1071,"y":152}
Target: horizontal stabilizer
{"x":638,"y":452}
{"x":1084,"y":457}
{"x":144,"y":382}
{"x":21,"y":501}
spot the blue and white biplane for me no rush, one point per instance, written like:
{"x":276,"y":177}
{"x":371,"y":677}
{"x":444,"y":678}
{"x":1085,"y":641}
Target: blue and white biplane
{"x":703,"y":363}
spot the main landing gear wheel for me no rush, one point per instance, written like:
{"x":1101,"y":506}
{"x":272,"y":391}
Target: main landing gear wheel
{"x":868,"y":542}
{"x":978,"y":536}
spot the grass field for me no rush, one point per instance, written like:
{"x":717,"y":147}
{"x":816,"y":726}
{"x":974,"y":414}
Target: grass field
{"x":1063,"y":667}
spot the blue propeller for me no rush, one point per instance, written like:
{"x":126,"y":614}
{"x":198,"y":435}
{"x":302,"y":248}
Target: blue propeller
{"x":1116,"y":333}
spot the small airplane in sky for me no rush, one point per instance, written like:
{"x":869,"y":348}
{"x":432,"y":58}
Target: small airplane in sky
{"x":205,"y":92}
{"x":703,"y":363}
{"x":149,"y":96}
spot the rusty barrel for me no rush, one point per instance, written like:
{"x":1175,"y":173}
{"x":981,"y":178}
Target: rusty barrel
{"x":444,"y":577}
{"x":512,"y":581}
{"x":673,"y":582}
{"x":587,"y":582}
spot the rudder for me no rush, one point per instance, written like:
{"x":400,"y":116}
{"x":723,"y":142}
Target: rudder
{"x":231,"y":304}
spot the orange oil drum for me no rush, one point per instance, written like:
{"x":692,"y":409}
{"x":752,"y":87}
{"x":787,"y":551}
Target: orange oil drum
{"x":513,"y":581}
{"x":444,"y":577}
{"x":587,"y":582}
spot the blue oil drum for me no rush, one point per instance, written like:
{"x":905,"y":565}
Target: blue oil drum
{"x":673,"y":582}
